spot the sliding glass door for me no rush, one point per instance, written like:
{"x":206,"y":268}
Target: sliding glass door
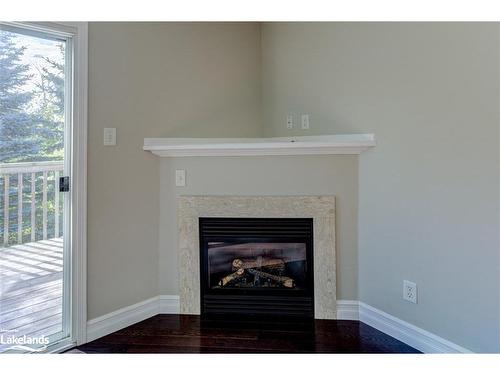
{"x":35,"y":139}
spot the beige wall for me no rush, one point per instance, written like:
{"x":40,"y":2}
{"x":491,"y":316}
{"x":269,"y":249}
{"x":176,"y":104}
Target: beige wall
{"x":283,"y":175}
{"x":429,"y":192}
{"x":154,"y":80}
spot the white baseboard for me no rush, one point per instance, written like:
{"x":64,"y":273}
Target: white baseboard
{"x":169,"y":304}
{"x":346,"y":310}
{"x":411,"y":335}
{"x":119,"y":319}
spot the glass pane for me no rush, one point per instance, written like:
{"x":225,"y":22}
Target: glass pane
{"x":257,"y":265}
{"x":32,"y":126}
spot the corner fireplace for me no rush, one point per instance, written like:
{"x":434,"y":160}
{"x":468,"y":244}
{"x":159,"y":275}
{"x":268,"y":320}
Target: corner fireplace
{"x":256,"y":267}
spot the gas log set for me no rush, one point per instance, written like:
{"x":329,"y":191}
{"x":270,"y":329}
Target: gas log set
{"x":257,"y":272}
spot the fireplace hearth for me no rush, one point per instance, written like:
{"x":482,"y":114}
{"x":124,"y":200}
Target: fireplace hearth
{"x":256,"y":267}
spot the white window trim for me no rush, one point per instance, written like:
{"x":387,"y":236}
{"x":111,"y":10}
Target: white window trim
{"x":79,"y":34}
{"x":79,"y":185}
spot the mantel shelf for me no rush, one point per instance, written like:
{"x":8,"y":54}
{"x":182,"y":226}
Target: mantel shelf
{"x":342,"y":144}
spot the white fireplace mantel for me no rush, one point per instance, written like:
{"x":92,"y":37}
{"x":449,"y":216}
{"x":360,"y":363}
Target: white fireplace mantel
{"x":340,"y":144}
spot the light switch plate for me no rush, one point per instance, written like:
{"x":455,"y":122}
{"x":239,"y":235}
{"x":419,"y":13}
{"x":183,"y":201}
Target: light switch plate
{"x":304,"y":122}
{"x":180,"y":177}
{"x":109,"y":136}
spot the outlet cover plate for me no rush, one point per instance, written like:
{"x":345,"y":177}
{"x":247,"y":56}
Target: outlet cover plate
{"x":409,"y":291}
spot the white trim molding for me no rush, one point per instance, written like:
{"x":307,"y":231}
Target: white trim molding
{"x":347,"y":309}
{"x":341,"y":144}
{"x":411,"y":335}
{"x":124,"y":317}
{"x":119,"y":319}
{"x":79,"y":181}
{"x":169,"y":304}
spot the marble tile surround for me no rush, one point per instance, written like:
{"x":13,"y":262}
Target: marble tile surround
{"x":320,"y":208}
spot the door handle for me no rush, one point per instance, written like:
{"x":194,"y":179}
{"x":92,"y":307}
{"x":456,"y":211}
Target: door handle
{"x":64,"y":184}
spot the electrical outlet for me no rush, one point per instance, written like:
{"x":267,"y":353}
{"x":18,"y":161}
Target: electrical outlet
{"x":409,"y":291}
{"x":289,"y":122}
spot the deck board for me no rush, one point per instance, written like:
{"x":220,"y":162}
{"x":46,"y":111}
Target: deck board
{"x":31,"y":288}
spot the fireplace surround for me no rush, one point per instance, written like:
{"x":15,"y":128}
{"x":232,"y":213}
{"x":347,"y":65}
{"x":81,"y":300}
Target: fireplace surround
{"x":256,"y":267}
{"x":321,"y":209}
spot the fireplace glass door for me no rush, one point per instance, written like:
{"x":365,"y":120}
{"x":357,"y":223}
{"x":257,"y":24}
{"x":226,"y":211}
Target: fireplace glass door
{"x":256,"y":267}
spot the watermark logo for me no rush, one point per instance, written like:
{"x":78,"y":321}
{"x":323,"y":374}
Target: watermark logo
{"x":9,"y":340}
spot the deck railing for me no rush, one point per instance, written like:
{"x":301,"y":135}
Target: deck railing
{"x":31,"y":205}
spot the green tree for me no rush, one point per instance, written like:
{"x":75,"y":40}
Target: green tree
{"x":51,"y":89}
{"x":18,"y":127}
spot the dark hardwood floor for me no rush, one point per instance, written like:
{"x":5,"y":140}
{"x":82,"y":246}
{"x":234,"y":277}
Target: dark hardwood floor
{"x":187,"y":334}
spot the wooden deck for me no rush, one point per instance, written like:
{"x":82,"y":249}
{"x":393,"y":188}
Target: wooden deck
{"x":31,"y":288}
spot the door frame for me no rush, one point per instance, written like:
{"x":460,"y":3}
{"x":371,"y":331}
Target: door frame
{"x":79,"y":183}
{"x":78,"y":31}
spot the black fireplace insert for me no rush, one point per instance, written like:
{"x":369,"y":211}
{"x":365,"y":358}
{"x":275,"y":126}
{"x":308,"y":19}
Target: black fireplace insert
{"x":256,"y":267}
